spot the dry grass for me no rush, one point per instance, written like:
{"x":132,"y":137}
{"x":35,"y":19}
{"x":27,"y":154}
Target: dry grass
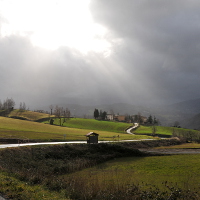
{"x":29,"y":115}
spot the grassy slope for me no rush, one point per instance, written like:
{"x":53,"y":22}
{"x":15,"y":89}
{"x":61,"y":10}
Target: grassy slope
{"x":30,"y":115}
{"x":32,"y":130}
{"x":178,"y":170}
{"x":94,"y":124}
{"x":160,"y":130}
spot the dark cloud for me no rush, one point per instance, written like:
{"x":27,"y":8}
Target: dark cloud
{"x":155,"y":56}
{"x":39,"y":77}
{"x":160,"y":43}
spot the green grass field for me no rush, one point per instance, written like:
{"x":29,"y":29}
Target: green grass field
{"x":80,"y":123}
{"x":181,"y":171}
{"x":15,"y":128}
{"x":161,"y":130}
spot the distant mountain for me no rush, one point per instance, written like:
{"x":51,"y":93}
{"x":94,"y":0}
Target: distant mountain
{"x":190,"y":106}
{"x":193,"y":122}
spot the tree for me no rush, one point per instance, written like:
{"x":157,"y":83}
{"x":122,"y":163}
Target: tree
{"x":100,"y":114}
{"x":96,"y":113}
{"x":155,"y":120}
{"x":22,"y":106}
{"x":51,"y":121}
{"x":66,"y":115}
{"x":8,"y":104}
{"x":150,"y":119}
{"x":51,"y":108}
{"x":104,"y":114}
{"x":128,"y":118}
{"x":135,"y":118}
{"x":58,"y":113}
{"x":154,"y":129}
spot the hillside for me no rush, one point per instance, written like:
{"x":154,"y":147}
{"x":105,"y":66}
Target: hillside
{"x":93,"y":124}
{"x":163,"y":131}
{"x":15,"y":128}
{"x":190,"y":106}
{"x":192,"y":122}
{"x":28,"y":115}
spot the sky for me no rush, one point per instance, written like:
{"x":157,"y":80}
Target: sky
{"x":93,"y":52}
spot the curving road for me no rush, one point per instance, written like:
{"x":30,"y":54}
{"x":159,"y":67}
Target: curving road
{"x":131,"y":128}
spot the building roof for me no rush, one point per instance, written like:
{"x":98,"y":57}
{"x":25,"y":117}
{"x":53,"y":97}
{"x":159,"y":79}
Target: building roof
{"x":91,"y":133}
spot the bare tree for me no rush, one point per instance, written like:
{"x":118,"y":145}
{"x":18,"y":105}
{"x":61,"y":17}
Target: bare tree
{"x":154,"y":129}
{"x":51,"y":108}
{"x":22,"y":106}
{"x":66,"y":115}
{"x":8,"y":104}
{"x":58,"y":111}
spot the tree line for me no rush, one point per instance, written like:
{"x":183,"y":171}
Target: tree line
{"x":63,"y":114}
{"x":7,"y":104}
{"x":102,"y":115}
{"x":151,"y":120}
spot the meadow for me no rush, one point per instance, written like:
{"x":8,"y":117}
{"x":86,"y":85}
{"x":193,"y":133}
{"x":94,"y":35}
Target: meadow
{"x":81,"y":123}
{"x":101,"y":171}
{"x":28,"y":115}
{"x":162,"y":130}
{"x":180,"y":171}
{"x":23,"y":129}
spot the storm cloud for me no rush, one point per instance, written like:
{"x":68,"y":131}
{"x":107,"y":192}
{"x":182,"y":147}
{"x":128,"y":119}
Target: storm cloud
{"x":154,"y":57}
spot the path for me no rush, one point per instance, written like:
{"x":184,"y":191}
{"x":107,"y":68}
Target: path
{"x":2,"y":146}
{"x":131,"y":128}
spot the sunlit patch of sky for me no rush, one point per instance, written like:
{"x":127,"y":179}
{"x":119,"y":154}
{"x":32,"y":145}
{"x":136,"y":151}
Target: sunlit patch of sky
{"x":54,"y":23}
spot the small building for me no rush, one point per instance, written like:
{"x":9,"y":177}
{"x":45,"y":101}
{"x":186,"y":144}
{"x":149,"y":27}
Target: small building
{"x":110,"y":117}
{"x":92,"y":138}
{"x":120,"y":118}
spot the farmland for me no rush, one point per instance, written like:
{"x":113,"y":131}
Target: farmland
{"x":81,"y":123}
{"x":15,"y":128}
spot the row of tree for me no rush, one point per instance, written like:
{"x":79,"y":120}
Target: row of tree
{"x":62,"y":113}
{"x":100,"y":115}
{"x":7,"y":104}
{"x":128,"y":118}
{"x":152,"y":120}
